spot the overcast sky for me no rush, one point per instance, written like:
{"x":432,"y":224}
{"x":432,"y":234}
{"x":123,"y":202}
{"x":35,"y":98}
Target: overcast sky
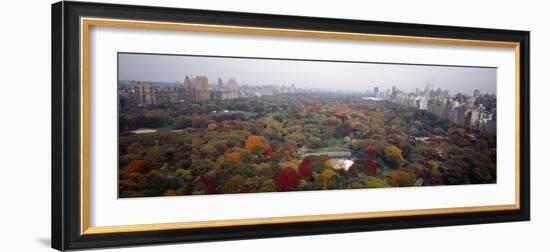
{"x":307,"y":74}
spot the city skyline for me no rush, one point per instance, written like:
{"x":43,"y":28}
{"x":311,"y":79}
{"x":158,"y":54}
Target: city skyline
{"x":308,"y":74}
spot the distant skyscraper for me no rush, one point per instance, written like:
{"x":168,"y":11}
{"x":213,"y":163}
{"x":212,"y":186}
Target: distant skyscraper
{"x":423,"y":103}
{"x":438,"y":92}
{"x":427,"y":91}
{"x":476,"y":93}
{"x":147,"y":97}
{"x":375,"y":91}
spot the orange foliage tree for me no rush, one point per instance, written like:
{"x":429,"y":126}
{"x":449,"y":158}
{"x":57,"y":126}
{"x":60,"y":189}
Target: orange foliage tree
{"x":234,"y":156}
{"x":253,"y":141}
{"x":136,"y":166}
{"x":401,"y":178}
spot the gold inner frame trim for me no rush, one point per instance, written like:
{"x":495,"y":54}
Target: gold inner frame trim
{"x":86,"y":23}
{"x":289,"y":219}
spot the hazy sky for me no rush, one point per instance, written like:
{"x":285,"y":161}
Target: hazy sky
{"x":307,"y":74}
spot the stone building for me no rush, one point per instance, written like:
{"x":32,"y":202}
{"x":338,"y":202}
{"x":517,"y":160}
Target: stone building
{"x":146,"y":93}
{"x":143,"y":93}
{"x":196,"y":89}
{"x":231,"y":91}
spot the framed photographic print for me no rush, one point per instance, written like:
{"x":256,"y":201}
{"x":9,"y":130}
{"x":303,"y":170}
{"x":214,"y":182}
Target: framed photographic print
{"x":180,"y":125}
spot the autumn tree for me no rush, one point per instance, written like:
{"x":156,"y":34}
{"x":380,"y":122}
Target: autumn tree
{"x":393,"y":156}
{"x":352,"y":171}
{"x":252,"y":141}
{"x":234,"y":156}
{"x":268,"y":186}
{"x":244,"y":149}
{"x":305,"y":168}
{"x":401,"y":178}
{"x":374,"y":182}
{"x":326,"y":175}
{"x":156,"y":184}
{"x":433,"y":165}
{"x":184,"y":174}
{"x":347,"y":139}
{"x":370,"y":151}
{"x":429,"y":175}
{"x":183,"y":122}
{"x":234,"y":184}
{"x":287,"y":179}
{"x":199,"y":121}
{"x":135,"y":166}
{"x":370,"y":166}
{"x":209,"y":182}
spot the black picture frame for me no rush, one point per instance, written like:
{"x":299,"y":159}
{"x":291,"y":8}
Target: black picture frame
{"x":66,"y":156}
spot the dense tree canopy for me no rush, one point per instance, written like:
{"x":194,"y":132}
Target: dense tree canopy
{"x":287,"y":143}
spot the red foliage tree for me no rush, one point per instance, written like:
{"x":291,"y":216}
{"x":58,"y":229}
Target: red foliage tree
{"x":286,"y":150}
{"x":370,"y":166}
{"x":307,"y":161}
{"x":270,"y":153}
{"x":287,"y":179}
{"x":370,"y":151}
{"x":352,"y":171}
{"x":305,"y":168}
{"x":210,"y":183}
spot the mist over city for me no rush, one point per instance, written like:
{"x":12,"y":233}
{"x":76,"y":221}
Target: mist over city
{"x":332,"y":76}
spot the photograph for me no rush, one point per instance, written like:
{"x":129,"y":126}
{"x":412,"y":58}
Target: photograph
{"x":176,"y":123}
{"x":204,"y":124}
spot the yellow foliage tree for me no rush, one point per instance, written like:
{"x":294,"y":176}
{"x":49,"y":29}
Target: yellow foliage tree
{"x":326,"y":175}
{"x":294,"y":163}
{"x":433,"y":165}
{"x":262,"y":166}
{"x":393,"y":156}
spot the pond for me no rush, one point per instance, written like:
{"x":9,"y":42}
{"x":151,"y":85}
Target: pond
{"x":147,"y":130}
{"x":144,"y":131}
{"x":343,"y":163}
